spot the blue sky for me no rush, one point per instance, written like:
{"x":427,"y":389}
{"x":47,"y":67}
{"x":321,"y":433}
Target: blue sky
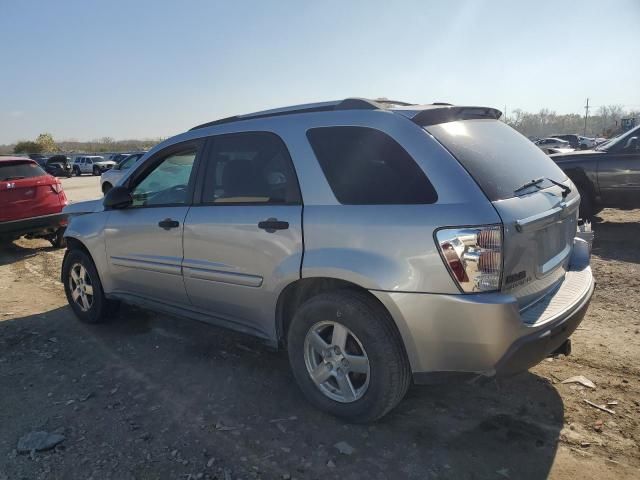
{"x":139,"y":69}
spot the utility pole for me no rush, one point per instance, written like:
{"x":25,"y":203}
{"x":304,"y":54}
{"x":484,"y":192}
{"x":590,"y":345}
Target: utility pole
{"x":586,"y":114}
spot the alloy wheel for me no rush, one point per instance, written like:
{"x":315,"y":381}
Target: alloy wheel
{"x":81,"y":287}
{"x":336,"y":361}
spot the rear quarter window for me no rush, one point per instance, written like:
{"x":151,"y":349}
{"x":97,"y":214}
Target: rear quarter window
{"x":497,"y":157}
{"x":18,"y":170}
{"x":364,"y":166}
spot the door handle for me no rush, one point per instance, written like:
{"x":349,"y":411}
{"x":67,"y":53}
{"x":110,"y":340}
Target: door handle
{"x":273,"y":224}
{"x":168,"y":224}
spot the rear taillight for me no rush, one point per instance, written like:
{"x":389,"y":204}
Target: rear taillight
{"x":473,"y":256}
{"x":56,"y":187}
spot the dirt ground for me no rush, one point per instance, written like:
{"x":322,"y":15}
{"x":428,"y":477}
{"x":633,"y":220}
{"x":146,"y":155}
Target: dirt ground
{"x":150,"y":396}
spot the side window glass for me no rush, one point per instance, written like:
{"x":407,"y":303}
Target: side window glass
{"x":364,"y":166}
{"x":167,"y":183}
{"x":252,"y":167}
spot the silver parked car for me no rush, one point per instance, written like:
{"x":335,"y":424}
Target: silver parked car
{"x":379,"y":242}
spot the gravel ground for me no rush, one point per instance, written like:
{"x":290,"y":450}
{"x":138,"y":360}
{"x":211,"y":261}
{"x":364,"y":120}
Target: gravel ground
{"x":150,"y":396}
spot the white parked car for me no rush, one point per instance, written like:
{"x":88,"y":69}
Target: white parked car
{"x":93,"y":164}
{"x":586,"y":142}
{"x":112,"y":176}
{"x":552,"y":143}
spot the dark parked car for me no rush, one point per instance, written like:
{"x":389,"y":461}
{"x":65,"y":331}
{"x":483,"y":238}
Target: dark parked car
{"x":58,"y":166}
{"x":606,"y":176}
{"x":39,"y":158}
{"x":574,"y":140}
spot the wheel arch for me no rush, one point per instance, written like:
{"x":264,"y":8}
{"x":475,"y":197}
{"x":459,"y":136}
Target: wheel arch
{"x":297,"y":292}
{"x":581,"y":180}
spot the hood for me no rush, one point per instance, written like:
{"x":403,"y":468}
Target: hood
{"x":80,"y":208}
{"x":558,"y":157}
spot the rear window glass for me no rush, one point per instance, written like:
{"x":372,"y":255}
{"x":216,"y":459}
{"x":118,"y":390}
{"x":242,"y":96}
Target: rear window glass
{"x":365,"y":166}
{"x":500,"y":159}
{"x":18,"y":170}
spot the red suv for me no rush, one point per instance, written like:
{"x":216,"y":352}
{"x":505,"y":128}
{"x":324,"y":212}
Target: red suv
{"x":31,"y":202}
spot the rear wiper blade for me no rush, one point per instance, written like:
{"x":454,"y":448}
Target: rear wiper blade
{"x":535,"y":182}
{"x":565,"y":190}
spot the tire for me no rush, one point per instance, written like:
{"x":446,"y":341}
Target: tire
{"x":106,"y":186}
{"x":99,"y":309}
{"x":371,"y":335}
{"x":76,"y":172}
{"x":58,"y":240}
{"x":586,"y":204}
{"x":96,"y":172}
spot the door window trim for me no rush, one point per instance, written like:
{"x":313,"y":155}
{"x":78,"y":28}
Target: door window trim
{"x":141,"y":171}
{"x":208,"y":149}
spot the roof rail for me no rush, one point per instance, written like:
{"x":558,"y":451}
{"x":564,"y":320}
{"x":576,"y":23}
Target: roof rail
{"x":346,"y":104}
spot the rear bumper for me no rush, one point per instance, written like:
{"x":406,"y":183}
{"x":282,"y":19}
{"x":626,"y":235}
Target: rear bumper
{"x":33,"y":225}
{"x":487,"y":334}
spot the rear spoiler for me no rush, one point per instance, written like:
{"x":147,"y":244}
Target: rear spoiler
{"x":442,"y":114}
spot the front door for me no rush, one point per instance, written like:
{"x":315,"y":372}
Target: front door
{"x":243,"y":238}
{"x":144,"y":241}
{"x":619,"y":176}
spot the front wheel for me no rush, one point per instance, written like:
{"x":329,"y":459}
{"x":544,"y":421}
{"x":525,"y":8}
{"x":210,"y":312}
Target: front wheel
{"x":106,"y":187}
{"x":76,"y":172}
{"x":347,"y":356}
{"x":83,"y":288}
{"x":96,"y":171}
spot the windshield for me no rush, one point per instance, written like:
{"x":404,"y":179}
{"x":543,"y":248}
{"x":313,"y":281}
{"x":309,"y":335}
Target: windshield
{"x":620,"y":140}
{"x":499,"y":159}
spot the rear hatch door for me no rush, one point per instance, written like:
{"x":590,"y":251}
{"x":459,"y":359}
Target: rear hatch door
{"x":26,"y":191}
{"x":539,"y":220}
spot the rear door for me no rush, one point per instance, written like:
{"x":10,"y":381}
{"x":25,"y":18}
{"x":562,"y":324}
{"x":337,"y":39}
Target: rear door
{"x":243,"y":239}
{"x":144,"y":241}
{"x":539,"y":223}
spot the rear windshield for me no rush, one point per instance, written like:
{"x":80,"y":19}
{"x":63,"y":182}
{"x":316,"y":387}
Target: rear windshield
{"x":18,"y":170}
{"x":497,"y":157}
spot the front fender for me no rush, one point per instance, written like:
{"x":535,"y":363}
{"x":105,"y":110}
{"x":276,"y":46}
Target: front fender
{"x":88,"y":230}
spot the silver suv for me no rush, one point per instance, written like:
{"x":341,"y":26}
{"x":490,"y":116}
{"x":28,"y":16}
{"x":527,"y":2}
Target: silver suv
{"x":380,"y":242}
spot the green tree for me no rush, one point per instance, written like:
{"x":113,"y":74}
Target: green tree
{"x":45,"y":140}
{"x":27,"y":147}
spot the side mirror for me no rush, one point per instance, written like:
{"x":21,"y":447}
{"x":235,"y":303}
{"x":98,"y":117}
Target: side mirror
{"x":632,"y":144}
{"x":117,"y":198}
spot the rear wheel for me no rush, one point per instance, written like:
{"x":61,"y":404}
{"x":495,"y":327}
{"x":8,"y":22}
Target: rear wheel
{"x":83,"y":288}
{"x":347,"y":357}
